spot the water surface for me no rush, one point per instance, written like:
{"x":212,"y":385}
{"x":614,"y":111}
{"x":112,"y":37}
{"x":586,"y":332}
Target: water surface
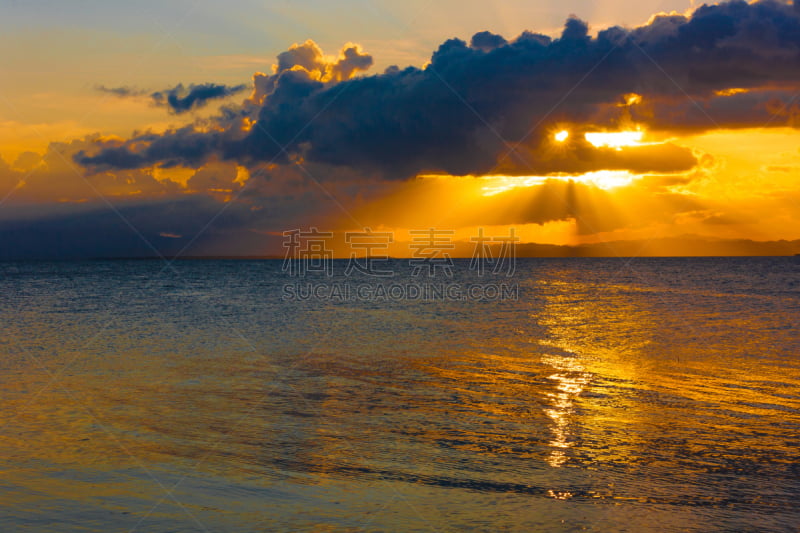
{"x":613,"y":394}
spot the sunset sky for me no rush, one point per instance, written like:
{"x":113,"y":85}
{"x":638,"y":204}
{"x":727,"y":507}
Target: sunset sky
{"x":203,"y":128}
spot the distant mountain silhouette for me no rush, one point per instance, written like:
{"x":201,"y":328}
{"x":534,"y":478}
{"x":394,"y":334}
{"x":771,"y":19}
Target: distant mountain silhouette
{"x":686,"y":245}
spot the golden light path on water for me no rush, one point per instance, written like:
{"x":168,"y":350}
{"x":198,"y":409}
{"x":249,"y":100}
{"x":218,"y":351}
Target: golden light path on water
{"x":570,"y":381}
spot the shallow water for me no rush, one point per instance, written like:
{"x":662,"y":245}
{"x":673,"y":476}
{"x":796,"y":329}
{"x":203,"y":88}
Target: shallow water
{"x":613,"y":394}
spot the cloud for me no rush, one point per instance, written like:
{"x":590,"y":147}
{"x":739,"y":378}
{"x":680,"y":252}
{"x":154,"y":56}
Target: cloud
{"x":182,"y":99}
{"x":472,"y":102}
{"x":726,"y":109}
{"x":162,"y":227}
{"x":58,"y":214}
{"x":577,"y":156}
{"x":53,"y":177}
{"x":487,"y":41}
{"x":122,"y":92}
{"x":178,"y":99}
{"x":309,"y":59}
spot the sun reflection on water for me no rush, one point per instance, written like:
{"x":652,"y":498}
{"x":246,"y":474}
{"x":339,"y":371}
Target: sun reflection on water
{"x":570,"y":381}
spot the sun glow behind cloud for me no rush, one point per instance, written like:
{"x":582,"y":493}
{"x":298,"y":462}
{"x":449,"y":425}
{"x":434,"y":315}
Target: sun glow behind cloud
{"x":732,"y":193}
{"x":602,"y":179}
{"x":615,"y":139}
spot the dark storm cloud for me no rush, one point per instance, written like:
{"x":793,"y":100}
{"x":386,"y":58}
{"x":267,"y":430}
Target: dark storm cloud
{"x":487,"y":41}
{"x":181,"y":99}
{"x":754,"y":108}
{"x":165,"y":225}
{"x":578,"y":156}
{"x":464,"y":110}
{"x":102,"y":232}
{"x":184,"y":146}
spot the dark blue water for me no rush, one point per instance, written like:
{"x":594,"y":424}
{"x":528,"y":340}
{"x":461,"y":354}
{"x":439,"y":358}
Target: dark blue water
{"x":604,"y":394}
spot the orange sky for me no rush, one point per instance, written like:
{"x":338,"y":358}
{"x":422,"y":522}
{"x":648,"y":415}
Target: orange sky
{"x":742,"y":182}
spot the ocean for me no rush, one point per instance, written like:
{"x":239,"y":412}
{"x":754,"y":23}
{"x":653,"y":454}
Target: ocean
{"x":567,"y":395}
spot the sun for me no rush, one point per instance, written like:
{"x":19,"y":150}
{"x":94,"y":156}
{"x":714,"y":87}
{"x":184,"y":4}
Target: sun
{"x":606,"y":139}
{"x":615,"y":139}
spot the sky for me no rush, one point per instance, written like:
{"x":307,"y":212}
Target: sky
{"x":597,"y":128}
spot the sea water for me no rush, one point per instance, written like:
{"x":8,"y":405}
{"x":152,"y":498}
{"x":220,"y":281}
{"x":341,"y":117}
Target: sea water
{"x":599,"y":394}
